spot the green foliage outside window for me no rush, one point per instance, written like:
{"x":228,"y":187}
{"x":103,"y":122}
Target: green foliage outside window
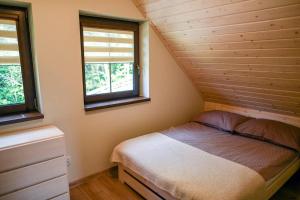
{"x":99,"y":75}
{"x":11,"y":85}
{"x":96,"y":76}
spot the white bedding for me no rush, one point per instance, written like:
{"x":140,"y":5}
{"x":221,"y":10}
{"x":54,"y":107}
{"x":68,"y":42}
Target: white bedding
{"x":186,"y":172}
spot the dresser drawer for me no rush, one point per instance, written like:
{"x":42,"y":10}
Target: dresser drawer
{"x":31,"y":153}
{"x":30,"y":175}
{"x":46,"y":190}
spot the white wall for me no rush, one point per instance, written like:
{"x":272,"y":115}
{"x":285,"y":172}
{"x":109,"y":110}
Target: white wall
{"x":91,"y":136}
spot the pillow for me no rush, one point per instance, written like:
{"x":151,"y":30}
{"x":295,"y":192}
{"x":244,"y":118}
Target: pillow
{"x":223,"y":120}
{"x":271,"y":131}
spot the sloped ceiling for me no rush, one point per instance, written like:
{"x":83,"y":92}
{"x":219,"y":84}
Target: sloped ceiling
{"x":237,"y":52}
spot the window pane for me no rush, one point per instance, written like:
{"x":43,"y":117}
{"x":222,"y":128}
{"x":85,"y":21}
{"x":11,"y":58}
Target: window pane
{"x":113,"y":49}
{"x":121,"y":77}
{"x":11,"y":83}
{"x":97,"y":78}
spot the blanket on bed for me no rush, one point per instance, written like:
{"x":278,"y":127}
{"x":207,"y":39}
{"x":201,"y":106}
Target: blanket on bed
{"x":186,"y":172}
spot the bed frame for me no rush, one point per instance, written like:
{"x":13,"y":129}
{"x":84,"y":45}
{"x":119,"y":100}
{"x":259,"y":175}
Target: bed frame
{"x":140,"y":185}
{"x":278,"y":181}
{"x":151,"y":192}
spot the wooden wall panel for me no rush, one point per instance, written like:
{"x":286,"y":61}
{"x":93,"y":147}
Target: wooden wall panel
{"x":239,"y":52}
{"x":253,"y":113}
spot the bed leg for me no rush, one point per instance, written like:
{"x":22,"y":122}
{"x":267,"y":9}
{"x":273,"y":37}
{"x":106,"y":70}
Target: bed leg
{"x":121,"y":173}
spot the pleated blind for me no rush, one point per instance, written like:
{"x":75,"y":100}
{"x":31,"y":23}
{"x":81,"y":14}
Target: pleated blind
{"x":9,"y":50}
{"x":108,"y":46}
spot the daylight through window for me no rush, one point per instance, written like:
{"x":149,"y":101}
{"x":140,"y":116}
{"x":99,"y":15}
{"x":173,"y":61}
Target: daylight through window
{"x":110,"y":58}
{"x":17,"y":91}
{"x":11,"y":90}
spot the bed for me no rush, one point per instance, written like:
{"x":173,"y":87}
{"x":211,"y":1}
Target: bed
{"x":219,"y":155}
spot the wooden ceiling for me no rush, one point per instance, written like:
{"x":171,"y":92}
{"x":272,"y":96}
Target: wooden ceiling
{"x":237,"y":52}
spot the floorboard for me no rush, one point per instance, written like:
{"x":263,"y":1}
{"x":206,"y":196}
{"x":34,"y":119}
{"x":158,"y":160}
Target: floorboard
{"x":105,"y":186}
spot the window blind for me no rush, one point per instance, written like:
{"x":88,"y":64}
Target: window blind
{"x":9,"y":50}
{"x":108,"y":46}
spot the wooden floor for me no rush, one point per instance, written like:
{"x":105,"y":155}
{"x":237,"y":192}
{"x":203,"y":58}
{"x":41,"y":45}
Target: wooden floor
{"x":105,"y":186}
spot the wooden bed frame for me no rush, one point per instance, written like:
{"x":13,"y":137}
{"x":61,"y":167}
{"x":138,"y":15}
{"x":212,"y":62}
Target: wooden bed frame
{"x":151,"y":192}
{"x":140,"y":185}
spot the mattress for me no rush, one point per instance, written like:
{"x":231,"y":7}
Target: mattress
{"x":265,"y":158}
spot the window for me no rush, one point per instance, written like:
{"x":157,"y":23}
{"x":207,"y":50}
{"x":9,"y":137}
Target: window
{"x":17,"y":90}
{"x":110,"y":56}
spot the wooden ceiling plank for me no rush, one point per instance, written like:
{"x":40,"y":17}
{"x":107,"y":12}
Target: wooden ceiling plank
{"x":224,"y":10}
{"x":189,"y":6}
{"x":243,"y":60}
{"x":267,"y":25}
{"x":255,"y":93}
{"x":245,"y":88}
{"x":255,"y":16}
{"x":250,"y":36}
{"x":275,"y":102}
{"x":284,"y":52}
{"x":243,"y":45}
{"x":289,"y":85}
{"x":272,"y":82}
{"x":248,"y":73}
{"x":245,"y":67}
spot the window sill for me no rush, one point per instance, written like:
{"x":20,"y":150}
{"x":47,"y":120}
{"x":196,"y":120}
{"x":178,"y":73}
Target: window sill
{"x":114,"y":103}
{"x":22,"y":117}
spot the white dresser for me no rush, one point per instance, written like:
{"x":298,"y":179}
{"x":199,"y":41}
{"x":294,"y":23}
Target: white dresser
{"x":33,"y":165}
